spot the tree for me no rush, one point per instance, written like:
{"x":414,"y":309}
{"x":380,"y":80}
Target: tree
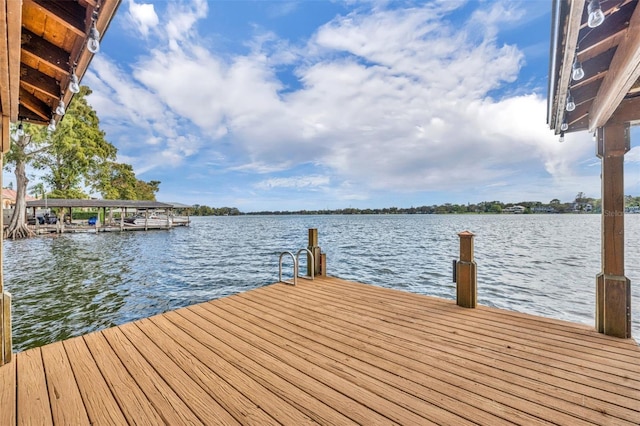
{"x":147,"y":190}
{"x":69,"y":154}
{"x":78,"y":149}
{"x":117,"y":181}
{"x":23,"y":152}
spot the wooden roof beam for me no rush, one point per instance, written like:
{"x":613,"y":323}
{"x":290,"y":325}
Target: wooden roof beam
{"x":42,"y":50}
{"x":41,"y":82}
{"x":623,"y":73}
{"x":68,"y":13}
{"x":30,"y":117}
{"x":593,"y":41}
{"x":35,"y":105}
{"x":11,"y":17}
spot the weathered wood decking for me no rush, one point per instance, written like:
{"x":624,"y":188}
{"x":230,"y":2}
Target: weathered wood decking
{"x":330,"y":352}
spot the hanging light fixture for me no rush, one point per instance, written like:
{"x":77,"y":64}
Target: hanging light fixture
{"x":561,"y":137}
{"x":60,"y":110}
{"x":577,"y":73}
{"x":74,"y":86}
{"x":18,"y":133}
{"x":596,"y":16}
{"x":571,"y":105}
{"x":93,"y":42}
{"x":52,"y":126}
{"x":564,"y":126}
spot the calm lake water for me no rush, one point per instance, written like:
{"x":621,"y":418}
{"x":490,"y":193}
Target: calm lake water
{"x":68,"y":285}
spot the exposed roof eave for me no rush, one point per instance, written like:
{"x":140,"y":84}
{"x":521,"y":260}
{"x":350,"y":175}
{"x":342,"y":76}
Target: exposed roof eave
{"x":623,"y":72}
{"x":41,"y":41}
{"x":610,"y":57}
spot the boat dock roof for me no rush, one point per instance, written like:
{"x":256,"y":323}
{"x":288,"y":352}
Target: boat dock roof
{"x":67,"y":203}
{"x":333,"y":352}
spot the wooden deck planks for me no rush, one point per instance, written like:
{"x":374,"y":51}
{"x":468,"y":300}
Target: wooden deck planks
{"x":429,"y":362}
{"x":67,"y":407}
{"x":230,"y":385}
{"x":330,"y":352}
{"x":607,"y":401}
{"x":33,"y":405}
{"x":102,"y":408}
{"x":8,"y":394}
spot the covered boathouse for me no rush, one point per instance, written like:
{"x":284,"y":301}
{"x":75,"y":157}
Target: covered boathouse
{"x":328,"y":351}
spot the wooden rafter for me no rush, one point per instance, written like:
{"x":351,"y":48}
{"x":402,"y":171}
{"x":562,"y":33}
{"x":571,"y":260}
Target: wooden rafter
{"x":42,"y":50}
{"x":40,"y":82}
{"x":623,"y":73}
{"x":68,"y":13}
{"x":591,"y":40}
{"x":27,"y":115}
{"x":34,"y":104}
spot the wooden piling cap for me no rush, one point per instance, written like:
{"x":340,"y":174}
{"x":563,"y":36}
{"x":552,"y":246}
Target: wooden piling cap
{"x":466,"y":234}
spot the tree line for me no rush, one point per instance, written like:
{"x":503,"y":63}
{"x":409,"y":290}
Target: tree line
{"x":73,"y":159}
{"x":580,"y":204}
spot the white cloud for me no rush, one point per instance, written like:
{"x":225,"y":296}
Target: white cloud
{"x":295,"y":182}
{"x":143,"y":17}
{"x":389,"y":99}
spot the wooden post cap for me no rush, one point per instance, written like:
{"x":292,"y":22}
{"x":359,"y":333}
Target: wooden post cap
{"x":466,"y":246}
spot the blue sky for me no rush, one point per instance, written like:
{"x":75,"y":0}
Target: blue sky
{"x":288,"y":105}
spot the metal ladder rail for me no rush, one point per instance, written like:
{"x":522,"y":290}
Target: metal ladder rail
{"x":310,"y":263}
{"x":295,"y":268}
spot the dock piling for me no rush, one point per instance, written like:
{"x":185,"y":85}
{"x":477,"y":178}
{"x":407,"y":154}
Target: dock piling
{"x":466,"y":273}
{"x":319,"y":258}
{"x":6,"y":344}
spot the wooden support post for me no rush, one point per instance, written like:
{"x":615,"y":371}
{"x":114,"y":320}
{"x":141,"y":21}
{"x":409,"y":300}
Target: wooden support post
{"x":613,"y":289}
{"x":6,"y":345}
{"x":319,"y":258}
{"x":466,"y":273}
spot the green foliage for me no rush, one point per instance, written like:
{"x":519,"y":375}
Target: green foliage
{"x":199,"y":210}
{"x":77,"y":149}
{"x":147,"y":190}
{"x":117,"y":181}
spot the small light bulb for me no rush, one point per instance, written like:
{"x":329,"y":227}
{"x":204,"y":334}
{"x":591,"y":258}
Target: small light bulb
{"x":561,"y":137}
{"x":20,"y":131}
{"x":60,"y":108}
{"x":564,"y":126}
{"x":93,"y":43}
{"x":74,"y":86}
{"x":577,"y":73}
{"x":571,"y":105}
{"x":596,"y":16}
{"x":52,"y":126}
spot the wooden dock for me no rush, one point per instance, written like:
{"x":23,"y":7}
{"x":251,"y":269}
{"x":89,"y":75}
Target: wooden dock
{"x":331,"y":352}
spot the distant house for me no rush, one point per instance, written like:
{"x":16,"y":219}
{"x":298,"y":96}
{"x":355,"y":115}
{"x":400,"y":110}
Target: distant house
{"x":9,"y":198}
{"x":543,"y":209}
{"x":582,"y":207}
{"x":514,"y":209}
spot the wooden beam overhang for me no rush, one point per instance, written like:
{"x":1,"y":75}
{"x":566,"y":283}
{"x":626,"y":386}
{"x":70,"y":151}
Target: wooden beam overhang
{"x":68,"y":13}
{"x":623,"y":73}
{"x":41,"y":50}
{"x":610,"y":57}
{"x":35,"y":105}
{"x":52,"y":43}
{"x":40,"y":82}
